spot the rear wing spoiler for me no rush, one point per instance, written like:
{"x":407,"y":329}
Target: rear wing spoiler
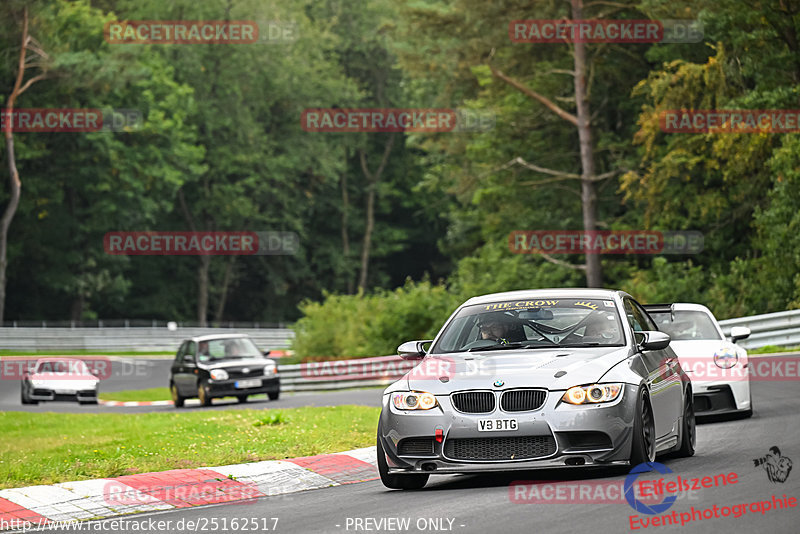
{"x":659,"y":308}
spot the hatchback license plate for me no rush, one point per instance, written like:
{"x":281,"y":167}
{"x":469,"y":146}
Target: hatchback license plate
{"x":497,"y":425}
{"x":242,"y":384}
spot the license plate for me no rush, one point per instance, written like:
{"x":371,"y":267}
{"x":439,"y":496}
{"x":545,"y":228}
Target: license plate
{"x":241,"y":384}
{"x":497,"y":425}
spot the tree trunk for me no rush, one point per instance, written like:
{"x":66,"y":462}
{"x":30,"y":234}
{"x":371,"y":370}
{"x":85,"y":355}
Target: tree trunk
{"x":8,"y":215}
{"x":15,"y":182}
{"x":372,"y":181}
{"x":202,"y":290}
{"x":594,"y":274}
{"x":226,"y":282}
{"x":365,"y":248}
{"x":345,"y":236}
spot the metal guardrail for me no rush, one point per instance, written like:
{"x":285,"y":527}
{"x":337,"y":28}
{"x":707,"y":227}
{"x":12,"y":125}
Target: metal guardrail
{"x":343,"y":374}
{"x":781,"y":329}
{"x":129,"y":339}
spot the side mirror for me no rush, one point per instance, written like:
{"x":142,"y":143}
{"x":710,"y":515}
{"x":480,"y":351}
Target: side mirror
{"x":412,"y":350}
{"x":652,"y":340}
{"x":266,"y":352}
{"x":739,"y":332}
{"x":188,"y":358}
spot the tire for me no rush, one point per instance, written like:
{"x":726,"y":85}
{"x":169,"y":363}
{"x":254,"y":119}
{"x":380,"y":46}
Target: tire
{"x":403,"y":482}
{"x":688,"y":429}
{"x":87,"y":402}
{"x":202,"y":394}
{"x":241,"y":399}
{"x":274,"y":395}
{"x":643,"y":446}
{"x":24,"y":398}
{"x":177,"y":400}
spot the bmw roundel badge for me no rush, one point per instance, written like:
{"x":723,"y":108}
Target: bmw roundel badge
{"x":498,"y":383}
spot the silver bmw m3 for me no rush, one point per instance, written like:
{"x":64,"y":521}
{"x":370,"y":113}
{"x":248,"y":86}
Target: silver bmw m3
{"x":536,"y":379}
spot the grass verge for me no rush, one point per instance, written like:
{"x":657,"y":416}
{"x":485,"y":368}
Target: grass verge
{"x":45,"y":448}
{"x":770,"y":349}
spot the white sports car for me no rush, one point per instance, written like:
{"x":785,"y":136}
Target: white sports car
{"x":718,"y":368}
{"x":59,"y":379}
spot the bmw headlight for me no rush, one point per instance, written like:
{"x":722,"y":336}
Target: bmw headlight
{"x":594,"y":394}
{"x":413,"y":400}
{"x":219,"y":374}
{"x":725,"y":358}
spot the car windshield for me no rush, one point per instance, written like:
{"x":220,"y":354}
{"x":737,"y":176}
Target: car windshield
{"x":686,"y":325}
{"x":62,"y":367}
{"x":227,"y":349}
{"x":532,"y":324}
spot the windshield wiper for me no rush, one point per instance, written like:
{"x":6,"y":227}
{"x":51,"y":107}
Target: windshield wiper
{"x":517,"y":345}
{"x":498,"y":346}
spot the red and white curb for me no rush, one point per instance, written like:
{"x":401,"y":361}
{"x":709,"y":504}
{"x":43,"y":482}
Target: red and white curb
{"x":180,"y":488}
{"x":141,"y":403}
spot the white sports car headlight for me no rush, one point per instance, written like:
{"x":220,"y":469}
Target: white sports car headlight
{"x":413,"y":400}
{"x":219,"y":374}
{"x":594,"y":394}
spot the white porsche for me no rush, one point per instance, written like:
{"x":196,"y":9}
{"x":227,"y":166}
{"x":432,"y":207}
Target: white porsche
{"x":718,"y":368}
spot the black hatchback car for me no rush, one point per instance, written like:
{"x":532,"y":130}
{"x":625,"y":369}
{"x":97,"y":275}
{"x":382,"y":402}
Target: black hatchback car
{"x":230,"y":365}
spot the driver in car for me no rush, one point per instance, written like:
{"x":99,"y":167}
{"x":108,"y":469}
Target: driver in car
{"x":495,"y":327}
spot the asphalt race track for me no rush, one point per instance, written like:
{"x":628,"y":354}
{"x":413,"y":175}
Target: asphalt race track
{"x":483,"y":504}
{"x":142,"y":373}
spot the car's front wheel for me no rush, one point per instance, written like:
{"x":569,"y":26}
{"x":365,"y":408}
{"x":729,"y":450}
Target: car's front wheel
{"x":202,"y":394}
{"x":273,"y":395}
{"x":241,"y":399}
{"x":643,"y":448}
{"x":177,"y":400}
{"x":406,"y":482}
{"x":24,"y":397}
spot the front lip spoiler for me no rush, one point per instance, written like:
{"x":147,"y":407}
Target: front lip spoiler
{"x":450,"y":467}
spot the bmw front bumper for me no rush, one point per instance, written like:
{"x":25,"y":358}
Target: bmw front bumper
{"x":557,"y":434}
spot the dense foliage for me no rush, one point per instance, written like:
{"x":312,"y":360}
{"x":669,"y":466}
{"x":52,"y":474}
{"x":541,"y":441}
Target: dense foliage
{"x":222,"y":148}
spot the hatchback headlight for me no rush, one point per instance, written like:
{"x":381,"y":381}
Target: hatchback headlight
{"x":594,"y":394}
{"x":414,"y":400}
{"x":219,"y":374}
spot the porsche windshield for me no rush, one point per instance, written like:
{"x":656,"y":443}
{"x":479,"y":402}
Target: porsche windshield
{"x":686,"y":325}
{"x":532,"y":324}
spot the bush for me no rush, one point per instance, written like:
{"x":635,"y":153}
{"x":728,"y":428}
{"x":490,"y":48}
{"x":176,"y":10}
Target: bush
{"x":347,"y":326}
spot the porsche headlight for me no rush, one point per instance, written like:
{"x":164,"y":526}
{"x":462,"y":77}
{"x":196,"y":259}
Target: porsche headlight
{"x":414,"y":400}
{"x":219,"y":374}
{"x":725,"y":358}
{"x":594,"y":394}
